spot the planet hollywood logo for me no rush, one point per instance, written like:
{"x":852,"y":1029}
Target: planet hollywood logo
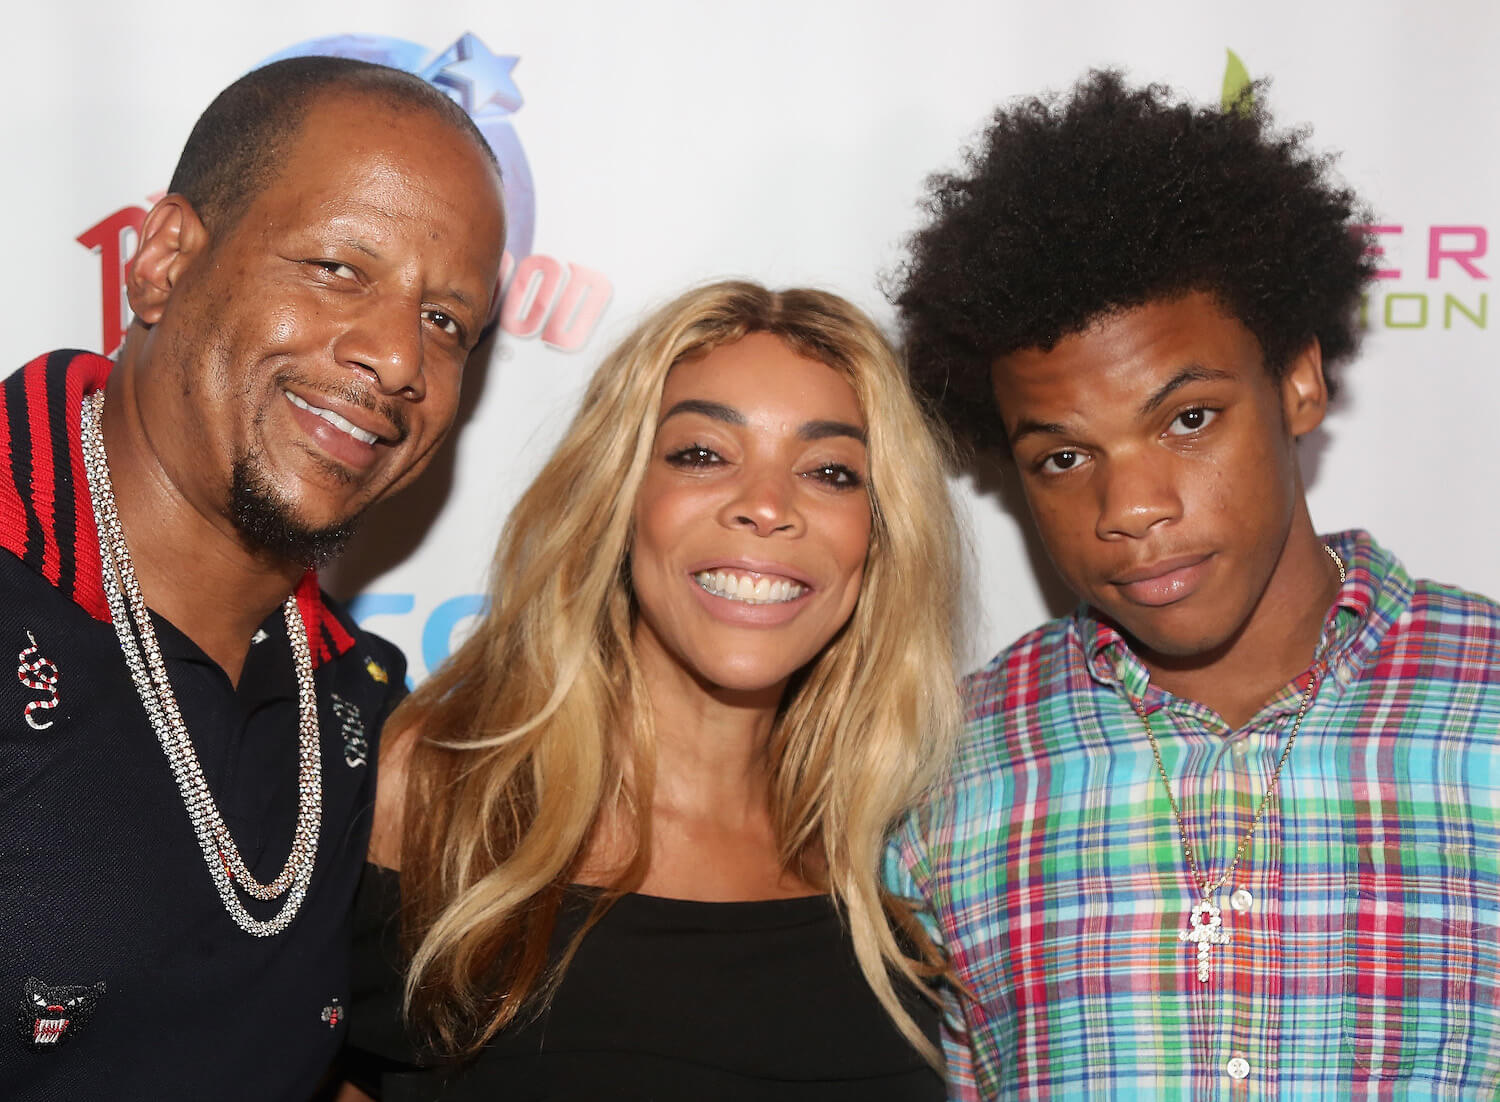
{"x":1426,"y":276}
{"x":556,"y":301}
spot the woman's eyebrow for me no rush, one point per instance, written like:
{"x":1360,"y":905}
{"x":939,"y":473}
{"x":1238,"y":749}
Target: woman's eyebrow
{"x":716,"y":410}
{"x":822,"y":430}
{"x":808,"y":430}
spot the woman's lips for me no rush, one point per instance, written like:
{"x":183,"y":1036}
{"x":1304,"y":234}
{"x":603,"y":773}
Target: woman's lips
{"x":750,"y":586}
{"x":1164,"y":582}
{"x":753,"y":598}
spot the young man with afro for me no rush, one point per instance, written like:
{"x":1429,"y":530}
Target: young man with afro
{"x":1231,"y":829}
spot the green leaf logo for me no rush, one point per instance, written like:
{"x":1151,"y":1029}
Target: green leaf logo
{"x":1237,"y":95}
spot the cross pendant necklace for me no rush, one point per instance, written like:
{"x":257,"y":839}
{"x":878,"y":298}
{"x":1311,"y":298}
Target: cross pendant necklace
{"x":1205,"y":923}
{"x":1205,"y":929}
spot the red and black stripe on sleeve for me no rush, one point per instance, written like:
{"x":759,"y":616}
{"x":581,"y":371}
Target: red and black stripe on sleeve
{"x":46,"y":518}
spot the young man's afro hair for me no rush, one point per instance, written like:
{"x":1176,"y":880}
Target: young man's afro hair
{"x":1073,"y":208}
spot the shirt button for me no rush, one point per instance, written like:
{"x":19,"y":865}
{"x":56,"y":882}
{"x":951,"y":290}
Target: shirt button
{"x":1238,"y":1067}
{"x":1240,"y":901}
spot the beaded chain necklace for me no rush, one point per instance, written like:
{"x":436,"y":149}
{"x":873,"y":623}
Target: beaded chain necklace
{"x":149,"y":672}
{"x":1205,"y":925}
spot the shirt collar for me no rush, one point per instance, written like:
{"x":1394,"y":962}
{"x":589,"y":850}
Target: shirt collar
{"x":46,"y":515}
{"x":1376,"y":591}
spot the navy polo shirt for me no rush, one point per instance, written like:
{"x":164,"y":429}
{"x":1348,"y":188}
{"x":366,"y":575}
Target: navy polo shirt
{"x":122,"y":976}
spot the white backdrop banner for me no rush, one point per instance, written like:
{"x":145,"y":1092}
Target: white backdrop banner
{"x":657,"y":144}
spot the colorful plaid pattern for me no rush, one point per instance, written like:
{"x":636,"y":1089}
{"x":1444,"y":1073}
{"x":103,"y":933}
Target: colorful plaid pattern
{"x":1367,"y":963}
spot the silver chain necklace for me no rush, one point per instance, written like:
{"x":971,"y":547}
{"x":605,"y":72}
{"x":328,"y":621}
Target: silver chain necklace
{"x":1205,"y":925}
{"x":149,"y":672}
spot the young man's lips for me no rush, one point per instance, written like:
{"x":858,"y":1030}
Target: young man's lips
{"x":1162,"y":582}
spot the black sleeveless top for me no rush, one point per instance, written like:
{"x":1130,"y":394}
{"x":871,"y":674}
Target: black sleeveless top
{"x":666,"y":1000}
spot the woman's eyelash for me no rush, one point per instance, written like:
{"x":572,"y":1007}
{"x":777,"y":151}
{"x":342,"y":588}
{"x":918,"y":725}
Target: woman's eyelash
{"x":693,"y":455}
{"x":838,"y":476}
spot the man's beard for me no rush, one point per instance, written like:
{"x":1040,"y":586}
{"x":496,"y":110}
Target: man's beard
{"x":267,"y":522}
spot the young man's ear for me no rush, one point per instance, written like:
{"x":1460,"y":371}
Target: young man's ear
{"x":1304,"y":391}
{"x":171,"y":237}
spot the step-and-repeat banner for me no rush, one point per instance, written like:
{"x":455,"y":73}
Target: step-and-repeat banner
{"x":652,"y":145}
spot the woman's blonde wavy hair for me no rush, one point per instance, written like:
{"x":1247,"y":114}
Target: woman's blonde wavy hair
{"x":541,"y":721}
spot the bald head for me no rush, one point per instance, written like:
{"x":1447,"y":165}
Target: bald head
{"x":242,"y":140}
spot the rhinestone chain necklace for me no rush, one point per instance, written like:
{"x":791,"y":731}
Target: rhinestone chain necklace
{"x":149,"y":672}
{"x":1205,"y":926}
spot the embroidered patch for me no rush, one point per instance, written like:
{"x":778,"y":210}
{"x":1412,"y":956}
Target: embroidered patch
{"x":352,"y":728}
{"x":40,"y":675}
{"x":52,"y":1015}
{"x":376,"y":671}
{"x":333,"y":1014}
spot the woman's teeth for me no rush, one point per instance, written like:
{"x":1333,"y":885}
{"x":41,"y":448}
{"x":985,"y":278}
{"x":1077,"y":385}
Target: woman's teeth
{"x":753,"y":591}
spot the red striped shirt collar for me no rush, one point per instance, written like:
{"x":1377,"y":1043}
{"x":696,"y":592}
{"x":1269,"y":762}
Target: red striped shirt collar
{"x":46,"y":515}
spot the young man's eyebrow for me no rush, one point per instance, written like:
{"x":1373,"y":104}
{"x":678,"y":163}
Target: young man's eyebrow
{"x":1027,"y":427}
{"x":718,"y":411}
{"x":1193,"y":373}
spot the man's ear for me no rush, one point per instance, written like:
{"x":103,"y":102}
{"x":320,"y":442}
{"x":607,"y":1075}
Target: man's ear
{"x":171,"y":237}
{"x":1304,"y":391}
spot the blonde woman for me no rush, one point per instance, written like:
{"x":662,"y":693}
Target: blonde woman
{"x":638,"y":816}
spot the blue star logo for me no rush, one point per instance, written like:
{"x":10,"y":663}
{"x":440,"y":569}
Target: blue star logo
{"x":476,"y":79}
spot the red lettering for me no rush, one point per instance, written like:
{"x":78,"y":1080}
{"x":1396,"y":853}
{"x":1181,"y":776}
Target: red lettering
{"x":532,"y":292}
{"x":108,"y":239}
{"x":1436,"y":253}
{"x":1374,"y":248}
{"x":583,"y":300}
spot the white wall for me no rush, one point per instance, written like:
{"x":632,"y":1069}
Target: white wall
{"x":787,"y":141}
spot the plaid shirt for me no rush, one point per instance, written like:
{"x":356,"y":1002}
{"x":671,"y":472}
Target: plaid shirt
{"x":1364,"y":951}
